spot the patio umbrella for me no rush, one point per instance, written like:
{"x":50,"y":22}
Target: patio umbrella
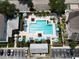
{"x":20,"y":39}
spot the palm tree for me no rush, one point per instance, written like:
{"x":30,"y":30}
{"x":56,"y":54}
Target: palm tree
{"x":72,"y":45}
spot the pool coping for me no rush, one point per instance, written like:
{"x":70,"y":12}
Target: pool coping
{"x":47,"y":18}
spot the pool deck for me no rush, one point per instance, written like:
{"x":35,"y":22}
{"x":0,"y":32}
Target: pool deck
{"x":27,"y":34}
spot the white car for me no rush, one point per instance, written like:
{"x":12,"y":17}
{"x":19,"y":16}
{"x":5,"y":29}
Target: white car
{"x":12,"y":51}
{"x":76,"y":57}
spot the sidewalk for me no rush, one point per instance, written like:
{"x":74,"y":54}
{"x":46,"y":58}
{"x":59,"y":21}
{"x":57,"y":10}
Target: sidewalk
{"x":40,"y":58}
{"x":64,"y":47}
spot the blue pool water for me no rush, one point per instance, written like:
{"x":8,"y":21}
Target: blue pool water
{"x":41,"y":25}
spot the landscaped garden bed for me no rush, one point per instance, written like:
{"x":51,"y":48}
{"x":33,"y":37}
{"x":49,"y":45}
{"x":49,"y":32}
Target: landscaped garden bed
{"x":64,"y":33}
{"x":42,"y":13}
{"x":57,"y":44}
{"x":26,"y":44}
{"x":59,"y":31}
{"x":3,"y":44}
{"x":23,"y":44}
{"x":21,"y":22}
{"x":11,"y":42}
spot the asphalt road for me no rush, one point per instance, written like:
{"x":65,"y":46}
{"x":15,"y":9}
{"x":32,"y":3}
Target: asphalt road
{"x":17,"y":54}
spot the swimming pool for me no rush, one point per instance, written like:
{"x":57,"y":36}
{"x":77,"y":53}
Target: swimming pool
{"x":41,"y":26}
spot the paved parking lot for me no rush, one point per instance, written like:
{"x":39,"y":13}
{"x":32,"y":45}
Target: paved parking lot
{"x":55,"y":54}
{"x":19,"y":57}
{"x":54,"y":58}
{"x":63,"y":53}
{"x":12,"y":57}
{"x":16,"y":54}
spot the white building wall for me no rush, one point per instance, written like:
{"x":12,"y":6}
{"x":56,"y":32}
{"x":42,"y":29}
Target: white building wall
{"x":11,"y":25}
{"x":74,"y":6}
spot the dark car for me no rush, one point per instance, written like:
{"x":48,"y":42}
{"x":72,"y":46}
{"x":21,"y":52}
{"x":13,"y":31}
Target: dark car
{"x":1,"y":52}
{"x":8,"y":52}
{"x":72,"y":52}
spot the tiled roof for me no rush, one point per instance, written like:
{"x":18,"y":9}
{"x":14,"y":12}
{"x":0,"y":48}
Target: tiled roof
{"x":41,"y":5}
{"x":12,"y":25}
{"x":40,"y":1}
{"x":75,"y":36}
{"x":71,"y":1}
{"x":74,"y":21}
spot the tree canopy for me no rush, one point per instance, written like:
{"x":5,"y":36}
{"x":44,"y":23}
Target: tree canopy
{"x":57,"y":6}
{"x":72,"y":44}
{"x":7,"y":9}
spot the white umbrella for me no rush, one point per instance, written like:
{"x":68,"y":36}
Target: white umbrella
{"x":20,"y":39}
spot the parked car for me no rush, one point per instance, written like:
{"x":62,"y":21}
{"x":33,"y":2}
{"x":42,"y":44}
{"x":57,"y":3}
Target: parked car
{"x":1,"y":52}
{"x":12,"y":52}
{"x":8,"y":52}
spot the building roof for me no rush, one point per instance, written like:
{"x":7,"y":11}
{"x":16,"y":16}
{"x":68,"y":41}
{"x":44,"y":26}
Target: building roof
{"x":2,"y":28}
{"x":12,"y":25}
{"x":75,"y":36}
{"x":41,"y":5}
{"x":71,"y":1}
{"x":73,"y":21}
